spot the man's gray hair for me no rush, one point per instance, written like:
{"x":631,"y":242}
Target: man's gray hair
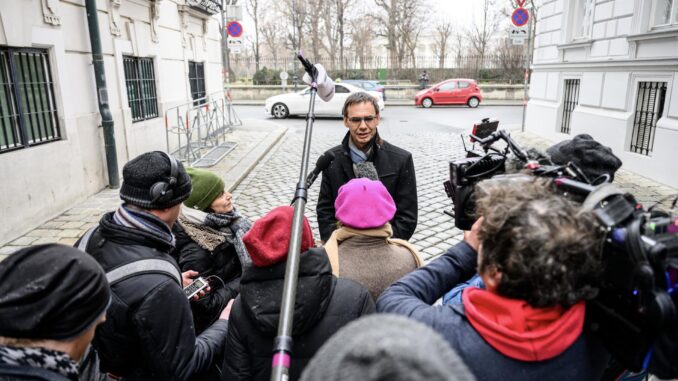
{"x":357,"y":98}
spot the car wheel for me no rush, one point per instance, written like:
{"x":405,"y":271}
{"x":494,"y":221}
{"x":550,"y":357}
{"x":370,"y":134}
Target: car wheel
{"x":427,"y":102}
{"x":473,"y":102}
{"x":280,"y":111}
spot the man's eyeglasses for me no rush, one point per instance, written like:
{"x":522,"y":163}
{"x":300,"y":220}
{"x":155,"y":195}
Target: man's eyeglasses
{"x":357,"y":121}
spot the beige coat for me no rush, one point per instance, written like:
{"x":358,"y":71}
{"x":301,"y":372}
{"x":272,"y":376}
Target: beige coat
{"x":371,"y":257}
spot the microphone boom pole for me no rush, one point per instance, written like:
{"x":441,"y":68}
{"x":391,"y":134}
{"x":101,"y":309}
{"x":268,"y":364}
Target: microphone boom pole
{"x":282,"y":347}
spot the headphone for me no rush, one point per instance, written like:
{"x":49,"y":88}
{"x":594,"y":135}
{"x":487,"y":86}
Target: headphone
{"x":162,"y":191}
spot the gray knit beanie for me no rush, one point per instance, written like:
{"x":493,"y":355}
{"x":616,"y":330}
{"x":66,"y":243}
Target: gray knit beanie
{"x":150,"y":168}
{"x":386,"y":347}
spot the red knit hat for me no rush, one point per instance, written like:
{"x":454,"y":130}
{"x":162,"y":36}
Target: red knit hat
{"x":269,"y":238}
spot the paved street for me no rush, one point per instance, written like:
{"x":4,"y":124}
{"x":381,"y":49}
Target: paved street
{"x":431,"y":135}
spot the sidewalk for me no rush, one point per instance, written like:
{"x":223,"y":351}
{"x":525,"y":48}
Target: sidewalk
{"x":396,"y":102}
{"x":254,"y":138}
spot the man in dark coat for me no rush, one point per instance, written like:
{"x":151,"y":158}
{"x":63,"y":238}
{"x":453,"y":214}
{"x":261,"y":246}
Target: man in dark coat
{"x":360,"y":153}
{"x":323,"y":303}
{"x":52,"y":298}
{"x":149,"y":333}
{"x":539,"y":258}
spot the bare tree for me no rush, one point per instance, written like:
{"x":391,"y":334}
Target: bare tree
{"x":480,"y":33}
{"x":315,"y":9}
{"x":362,"y":36}
{"x":443,"y":33}
{"x":511,"y":59}
{"x":271,"y":36}
{"x":254,"y":9}
{"x":400,"y":25}
{"x":294,"y":14}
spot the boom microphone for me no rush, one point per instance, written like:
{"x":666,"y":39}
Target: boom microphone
{"x":323,"y":162}
{"x":318,"y":75}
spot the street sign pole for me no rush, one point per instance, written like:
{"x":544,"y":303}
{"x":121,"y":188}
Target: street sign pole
{"x":225,"y":61}
{"x":527,"y":72}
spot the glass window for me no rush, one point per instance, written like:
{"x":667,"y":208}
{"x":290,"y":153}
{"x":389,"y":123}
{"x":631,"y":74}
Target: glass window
{"x":582,"y":20}
{"x":463,"y":85}
{"x":140,"y":83}
{"x":448,"y":86}
{"x":28,"y":112}
{"x":196,"y":79}
{"x":340,"y":89}
{"x":662,"y":12}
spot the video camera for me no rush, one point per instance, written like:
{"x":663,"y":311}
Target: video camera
{"x":637,"y":304}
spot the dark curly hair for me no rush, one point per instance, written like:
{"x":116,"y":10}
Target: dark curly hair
{"x":546,"y":248}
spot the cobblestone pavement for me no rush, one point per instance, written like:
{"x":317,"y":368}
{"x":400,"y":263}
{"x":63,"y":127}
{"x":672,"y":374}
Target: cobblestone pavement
{"x":273,"y":180}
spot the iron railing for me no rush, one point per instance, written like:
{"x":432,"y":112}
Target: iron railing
{"x":28,"y":112}
{"x":570,"y":101}
{"x":192,"y":130}
{"x":649,"y":108}
{"x":140,"y":83}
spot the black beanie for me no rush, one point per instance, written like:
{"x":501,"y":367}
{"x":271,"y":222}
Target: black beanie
{"x":593,"y":158}
{"x":50,"y":292}
{"x":386,"y":347}
{"x":141,"y":173}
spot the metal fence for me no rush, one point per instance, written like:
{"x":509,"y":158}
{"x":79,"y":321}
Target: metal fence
{"x":649,"y":108}
{"x":490,"y":68}
{"x":570,"y":101}
{"x":28,"y":114}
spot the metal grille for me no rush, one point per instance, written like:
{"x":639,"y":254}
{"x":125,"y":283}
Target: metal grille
{"x":570,"y":101}
{"x":196,"y":78}
{"x":649,"y":108}
{"x":140,"y":81}
{"x":28,"y":114}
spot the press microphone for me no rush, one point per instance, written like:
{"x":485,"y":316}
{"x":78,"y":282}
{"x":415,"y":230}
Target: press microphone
{"x":324,"y":84}
{"x":323,"y":162}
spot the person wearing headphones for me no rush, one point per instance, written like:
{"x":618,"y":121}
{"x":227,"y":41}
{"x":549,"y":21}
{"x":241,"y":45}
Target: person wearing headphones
{"x":149,"y":333}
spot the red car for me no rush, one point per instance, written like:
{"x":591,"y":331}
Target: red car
{"x":456,"y":91}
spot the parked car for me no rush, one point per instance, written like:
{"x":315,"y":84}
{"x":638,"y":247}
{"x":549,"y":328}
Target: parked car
{"x":367,"y":85}
{"x":284,"y":105}
{"x":456,"y":91}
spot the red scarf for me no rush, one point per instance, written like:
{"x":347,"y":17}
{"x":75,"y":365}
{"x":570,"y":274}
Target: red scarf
{"x":519,"y":331}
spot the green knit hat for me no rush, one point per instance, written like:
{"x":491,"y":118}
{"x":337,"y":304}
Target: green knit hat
{"x":206,"y":187}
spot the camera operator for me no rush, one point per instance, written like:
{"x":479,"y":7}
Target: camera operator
{"x":596,"y":161}
{"x":537,"y":257}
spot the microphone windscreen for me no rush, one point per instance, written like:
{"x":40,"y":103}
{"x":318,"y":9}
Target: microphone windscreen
{"x":366,"y":169}
{"x":324,"y":83}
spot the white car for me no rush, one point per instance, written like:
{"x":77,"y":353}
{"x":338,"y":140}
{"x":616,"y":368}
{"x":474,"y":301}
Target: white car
{"x":284,"y":105}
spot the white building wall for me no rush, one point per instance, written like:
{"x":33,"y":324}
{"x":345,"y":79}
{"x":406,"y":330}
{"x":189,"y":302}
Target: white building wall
{"x":622,"y":50}
{"x":42,"y":181}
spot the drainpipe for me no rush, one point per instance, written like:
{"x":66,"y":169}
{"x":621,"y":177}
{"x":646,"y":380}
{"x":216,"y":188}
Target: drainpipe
{"x":102,"y":94}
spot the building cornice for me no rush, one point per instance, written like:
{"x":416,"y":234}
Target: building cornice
{"x":654,"y":35}
{"x":625,"y":64}
{"x":573,"y":45}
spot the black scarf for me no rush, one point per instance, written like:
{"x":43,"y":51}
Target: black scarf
{"x":42,"y":358}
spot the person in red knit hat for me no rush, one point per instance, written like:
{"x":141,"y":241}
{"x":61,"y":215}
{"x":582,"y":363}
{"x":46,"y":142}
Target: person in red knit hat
{"x":323,"y":303}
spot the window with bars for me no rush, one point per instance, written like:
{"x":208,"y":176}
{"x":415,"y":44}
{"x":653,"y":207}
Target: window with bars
{"x":196,"y":78}
{"x":649,"y":108}
{"x":140,"y":82}
{"x":570,"y":101}
{"x":28,"y":114}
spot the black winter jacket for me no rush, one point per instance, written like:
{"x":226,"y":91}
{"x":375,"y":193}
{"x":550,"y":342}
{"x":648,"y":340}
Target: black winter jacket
{"x":414,"y":294}
{"x":396,"y":171}
{"x":148,"y":333}
{"x":323,"y":305}
{"x":25,"y":373}
{"x":222,"y":262}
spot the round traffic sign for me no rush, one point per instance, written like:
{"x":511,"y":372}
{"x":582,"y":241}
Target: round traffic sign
{"x":284,"y":75}
{"x":520,"y":17}
{"x":234,"y":29}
